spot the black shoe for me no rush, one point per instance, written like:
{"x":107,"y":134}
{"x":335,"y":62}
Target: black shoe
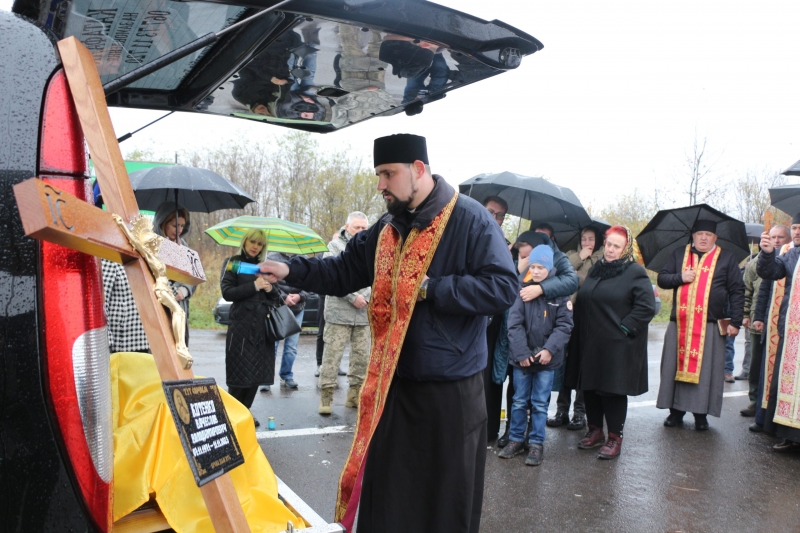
{"x":257,"y":423}
{"x":535,"y":455}
{"x":742,"y":377}
{"x":512,"y":449}
{"x":756,"y":428}
{"x":502,"y":442}
{"x":749,"y":411}
{"x":673,"y":420}
{"x":578,"y":422}
{"x":787,"y":446}
{"x":558,"y":420}
{"x":700,"y":423}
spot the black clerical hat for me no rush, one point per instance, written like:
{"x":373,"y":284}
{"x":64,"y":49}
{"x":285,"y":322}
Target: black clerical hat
{"x":532,"y":238}
{"x":796,"y":219}
{"x":704,"y":225}
{"x":400,"y":148}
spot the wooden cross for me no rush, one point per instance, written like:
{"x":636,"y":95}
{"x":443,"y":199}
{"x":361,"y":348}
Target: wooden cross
{"x":56,"y":216}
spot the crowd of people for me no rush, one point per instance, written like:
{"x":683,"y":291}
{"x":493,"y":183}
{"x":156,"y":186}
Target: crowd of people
{"x":440,"y":311}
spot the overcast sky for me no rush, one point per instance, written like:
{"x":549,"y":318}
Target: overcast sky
{"x":612,"y":102}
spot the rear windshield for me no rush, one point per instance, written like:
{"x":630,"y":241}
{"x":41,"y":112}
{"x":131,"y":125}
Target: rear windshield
{"x":335,"y":74}
{"x":123,"y":35}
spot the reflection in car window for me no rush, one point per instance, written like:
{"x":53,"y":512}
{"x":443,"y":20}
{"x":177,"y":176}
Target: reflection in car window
{"x":123,"y":35}
{"x":334,"y":74}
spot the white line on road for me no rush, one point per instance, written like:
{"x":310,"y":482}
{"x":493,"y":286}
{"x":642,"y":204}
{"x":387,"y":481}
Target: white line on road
{"x":303,"y":432}
{"x":651,"y":403}
{"x":349,"y":429}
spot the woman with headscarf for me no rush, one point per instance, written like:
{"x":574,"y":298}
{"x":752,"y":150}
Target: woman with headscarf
{"x":249,"y":354}
{"x":608,"y":349}
{"x":164,"y":223}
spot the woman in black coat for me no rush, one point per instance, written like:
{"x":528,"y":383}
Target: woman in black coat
{"x":249,"y":354}
{"x":608,"y":349}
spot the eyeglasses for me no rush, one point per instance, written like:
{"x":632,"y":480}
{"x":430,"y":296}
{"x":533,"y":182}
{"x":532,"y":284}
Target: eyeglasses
{"x":499,"y":216}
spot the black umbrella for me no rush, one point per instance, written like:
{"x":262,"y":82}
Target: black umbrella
{"x":197,"y":189}
{"x":568,"y":236}
{"x":529,"y":198}
{"x":786,"y":197}
{"x":754,"y":232}
{"x":671,"y":228}
{"x":793,"y":170}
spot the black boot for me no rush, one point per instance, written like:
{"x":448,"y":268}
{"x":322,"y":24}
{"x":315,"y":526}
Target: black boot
{"x":502,"y":442}
{"x":675,"y":418}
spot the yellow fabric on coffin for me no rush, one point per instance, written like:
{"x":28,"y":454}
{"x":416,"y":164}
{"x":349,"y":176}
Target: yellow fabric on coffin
{"x":148,"y":457}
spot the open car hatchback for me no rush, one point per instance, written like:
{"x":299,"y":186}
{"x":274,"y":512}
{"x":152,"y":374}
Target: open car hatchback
{"x":315,"y":65}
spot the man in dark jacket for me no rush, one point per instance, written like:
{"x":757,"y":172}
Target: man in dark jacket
{"x":782,"y":409}
{"x":442,"y":267}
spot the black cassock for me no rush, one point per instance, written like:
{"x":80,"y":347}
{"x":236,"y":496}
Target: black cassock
{"x":425,"y":464}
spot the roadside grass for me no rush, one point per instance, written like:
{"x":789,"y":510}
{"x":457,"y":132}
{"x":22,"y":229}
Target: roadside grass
{"x":204,"y":300}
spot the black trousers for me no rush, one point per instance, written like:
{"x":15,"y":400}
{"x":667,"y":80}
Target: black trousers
{"x":425,"y":465}
{"x":565,"y":399}
{"x":245,"y":395}
{"x":756,"y":356}
{"x":492,"y":391}
{"x":320,"y":329}
{"x":612,"y":407}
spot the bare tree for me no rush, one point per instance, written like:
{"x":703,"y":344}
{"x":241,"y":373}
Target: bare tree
{"x":752,"y":194}
{"x":699,"y":168}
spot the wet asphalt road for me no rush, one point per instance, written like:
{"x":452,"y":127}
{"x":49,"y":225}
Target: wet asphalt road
{"x":667,"y":479}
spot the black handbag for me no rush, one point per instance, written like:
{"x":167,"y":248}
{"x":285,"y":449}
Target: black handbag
{"x":281,"y":323}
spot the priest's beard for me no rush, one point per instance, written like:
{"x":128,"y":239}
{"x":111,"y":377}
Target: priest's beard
{"x":395,"y":205}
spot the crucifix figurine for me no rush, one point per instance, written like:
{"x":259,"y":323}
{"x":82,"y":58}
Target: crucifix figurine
{"x":56,"y":216}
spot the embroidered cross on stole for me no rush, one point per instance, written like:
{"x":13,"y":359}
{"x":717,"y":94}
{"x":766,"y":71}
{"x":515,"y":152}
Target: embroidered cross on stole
{"x":691,"y":314}
{"x":399,"y":271}
{"x":772,"y":334}
{"x":787,"y":410}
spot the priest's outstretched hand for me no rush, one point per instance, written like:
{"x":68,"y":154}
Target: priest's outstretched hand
{"x":766,"y":243}
{"x":276,"y":268}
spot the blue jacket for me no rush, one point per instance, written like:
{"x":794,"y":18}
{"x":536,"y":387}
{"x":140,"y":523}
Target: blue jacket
{"x":471,"y":277}
{"x":540,"y":323}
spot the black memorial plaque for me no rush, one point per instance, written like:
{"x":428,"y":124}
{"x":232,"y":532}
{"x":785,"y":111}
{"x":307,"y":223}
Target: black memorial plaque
{"x":205,"y":431}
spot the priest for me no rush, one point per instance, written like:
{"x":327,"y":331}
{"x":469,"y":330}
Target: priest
{"x":783,"y":405}
{"x":705,"y":279}
{"x":438,"y":265}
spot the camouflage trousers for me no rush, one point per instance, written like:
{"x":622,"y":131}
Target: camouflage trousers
{"x":336,"y":337}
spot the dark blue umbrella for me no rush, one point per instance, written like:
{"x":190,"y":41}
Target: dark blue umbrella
{"x":197,"y":189}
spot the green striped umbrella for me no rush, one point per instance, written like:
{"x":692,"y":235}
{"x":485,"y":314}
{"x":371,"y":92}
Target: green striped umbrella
{"x":282,"y":236}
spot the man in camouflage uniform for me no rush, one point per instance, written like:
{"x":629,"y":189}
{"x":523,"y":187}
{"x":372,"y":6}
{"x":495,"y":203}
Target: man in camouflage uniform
{"x":345,"y":320}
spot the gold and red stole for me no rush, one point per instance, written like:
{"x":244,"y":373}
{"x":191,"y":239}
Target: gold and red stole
{"x":691,"y":313}
{"x":399,"y":271}
{"x":787,"y":410}
{"x":773,"y":336}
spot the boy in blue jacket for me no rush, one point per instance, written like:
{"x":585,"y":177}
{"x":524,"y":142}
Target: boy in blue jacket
{"x":538,"y":333}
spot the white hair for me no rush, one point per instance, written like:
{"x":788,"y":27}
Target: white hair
{"x":356,"y":214}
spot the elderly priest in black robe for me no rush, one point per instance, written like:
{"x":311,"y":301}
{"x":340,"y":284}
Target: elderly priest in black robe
{"x":704,"y":279}
{"x":438,"y":266}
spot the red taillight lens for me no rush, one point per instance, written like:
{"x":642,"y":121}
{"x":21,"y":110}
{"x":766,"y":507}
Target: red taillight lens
{"x":75,"y":339}
{"x":62,"y":145}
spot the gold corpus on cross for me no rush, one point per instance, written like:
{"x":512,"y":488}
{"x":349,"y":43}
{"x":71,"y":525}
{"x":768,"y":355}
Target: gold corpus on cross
{"x":145,"y":241}
{"x":85,"y":228}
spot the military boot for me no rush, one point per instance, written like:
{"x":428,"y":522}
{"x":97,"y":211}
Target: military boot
{"x":325,"y":401}
{"x":352,"y":397}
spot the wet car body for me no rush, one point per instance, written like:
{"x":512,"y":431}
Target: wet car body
{"x":54,"y":420}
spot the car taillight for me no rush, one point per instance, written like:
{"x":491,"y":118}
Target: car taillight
{"x":74,"y":324}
